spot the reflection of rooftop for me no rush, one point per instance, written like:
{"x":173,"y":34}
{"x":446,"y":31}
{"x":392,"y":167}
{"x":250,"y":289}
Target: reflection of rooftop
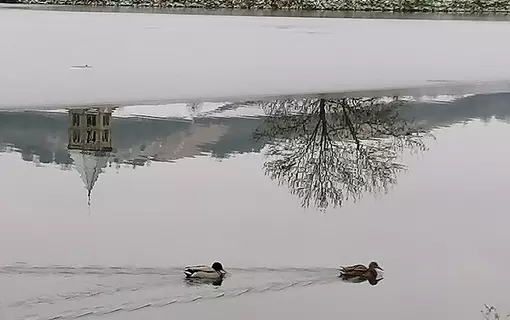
{"x":89,"y":165}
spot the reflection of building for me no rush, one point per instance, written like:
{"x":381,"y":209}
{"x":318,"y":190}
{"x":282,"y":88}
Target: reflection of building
{"x":135,"y":141}
{"x":89,"y":165}
{"x":89,"y":139}
{"x":89,"y":129}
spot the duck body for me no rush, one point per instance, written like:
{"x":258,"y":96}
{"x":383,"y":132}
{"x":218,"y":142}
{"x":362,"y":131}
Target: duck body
{"x":360,"y":270}
{"x":360,"y":273}
{"x":214,"y":272}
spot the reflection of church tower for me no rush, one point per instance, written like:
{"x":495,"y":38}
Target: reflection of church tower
{"x":90,"y":164}
{"x":90,"y":143}
{"x":89,"y":129}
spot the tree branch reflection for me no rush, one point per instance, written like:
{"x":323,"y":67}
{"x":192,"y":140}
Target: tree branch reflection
{"x":491,"y":313}
{"x":330,"y":151}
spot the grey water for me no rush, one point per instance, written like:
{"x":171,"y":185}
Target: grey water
{"x":281,"y":197}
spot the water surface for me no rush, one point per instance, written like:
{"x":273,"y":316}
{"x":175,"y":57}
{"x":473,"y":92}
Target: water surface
{"x":181,"y":192}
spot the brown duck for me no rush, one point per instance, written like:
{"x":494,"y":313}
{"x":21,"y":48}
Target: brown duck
{"x":360,"y":273}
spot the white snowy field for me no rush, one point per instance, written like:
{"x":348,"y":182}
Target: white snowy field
{"x":140,"y":59}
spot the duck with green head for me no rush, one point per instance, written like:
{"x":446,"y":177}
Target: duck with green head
{"x":214,"y":272}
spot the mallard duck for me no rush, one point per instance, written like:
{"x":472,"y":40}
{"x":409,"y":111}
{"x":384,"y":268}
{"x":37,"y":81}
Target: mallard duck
{"x":361,"y":270}
{"x":214,"y":272}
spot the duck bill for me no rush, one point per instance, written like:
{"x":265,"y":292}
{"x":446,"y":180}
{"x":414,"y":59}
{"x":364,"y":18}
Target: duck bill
{"x":223,"y":272}
{"x":380,"y":268}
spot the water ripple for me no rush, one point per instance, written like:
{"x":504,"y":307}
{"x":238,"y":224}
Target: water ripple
{"x":167,"y":301}
{"x":156,"y":281}
{"x":22,"y":269}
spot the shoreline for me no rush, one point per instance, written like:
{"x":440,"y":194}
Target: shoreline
{"x":297,"y":7}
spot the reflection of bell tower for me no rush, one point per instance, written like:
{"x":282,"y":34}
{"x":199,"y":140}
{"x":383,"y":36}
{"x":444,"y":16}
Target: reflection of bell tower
{"x":89,"y":165}
{"x":89,"y":129}
{"x":90,"y":142}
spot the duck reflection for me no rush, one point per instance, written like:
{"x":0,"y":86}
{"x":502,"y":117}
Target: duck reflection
{"x":360,"y":279}
{"x":329,"y":151}
{"x":200,"y":282}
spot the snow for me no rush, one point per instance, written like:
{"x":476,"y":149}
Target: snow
{"x":143,"y":59}
{"x":181,"y":111}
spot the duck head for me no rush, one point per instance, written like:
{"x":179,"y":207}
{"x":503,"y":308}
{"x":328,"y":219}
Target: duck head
{"x":374,"y":265}
{"x":218,"y":267}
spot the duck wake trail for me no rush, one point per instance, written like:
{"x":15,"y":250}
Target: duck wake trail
{"x":69,"y":292}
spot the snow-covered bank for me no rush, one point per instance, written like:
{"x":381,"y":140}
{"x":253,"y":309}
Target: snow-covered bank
{"x":457,"y":6}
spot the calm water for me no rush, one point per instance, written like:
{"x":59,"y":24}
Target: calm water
{"x":177,"y":192}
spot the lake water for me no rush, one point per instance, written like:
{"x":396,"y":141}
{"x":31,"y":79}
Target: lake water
{"x":152,"y":59}
{"x":180,"y":190}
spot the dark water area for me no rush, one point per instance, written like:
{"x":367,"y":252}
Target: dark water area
{"x":281,"y":192}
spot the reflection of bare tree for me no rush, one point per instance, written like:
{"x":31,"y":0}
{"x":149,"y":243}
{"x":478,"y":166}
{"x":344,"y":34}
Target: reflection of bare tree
{"x":490,"y":313}
{"x":329,"y":151}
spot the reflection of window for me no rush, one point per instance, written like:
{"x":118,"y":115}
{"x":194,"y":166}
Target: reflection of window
{"x":76,"y":120}
{"x":106,"y":135}
{"x":106,"y":120}
{"x":91,"y":120}
{"x":91,"y":136}
{"x":76,"y":136}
